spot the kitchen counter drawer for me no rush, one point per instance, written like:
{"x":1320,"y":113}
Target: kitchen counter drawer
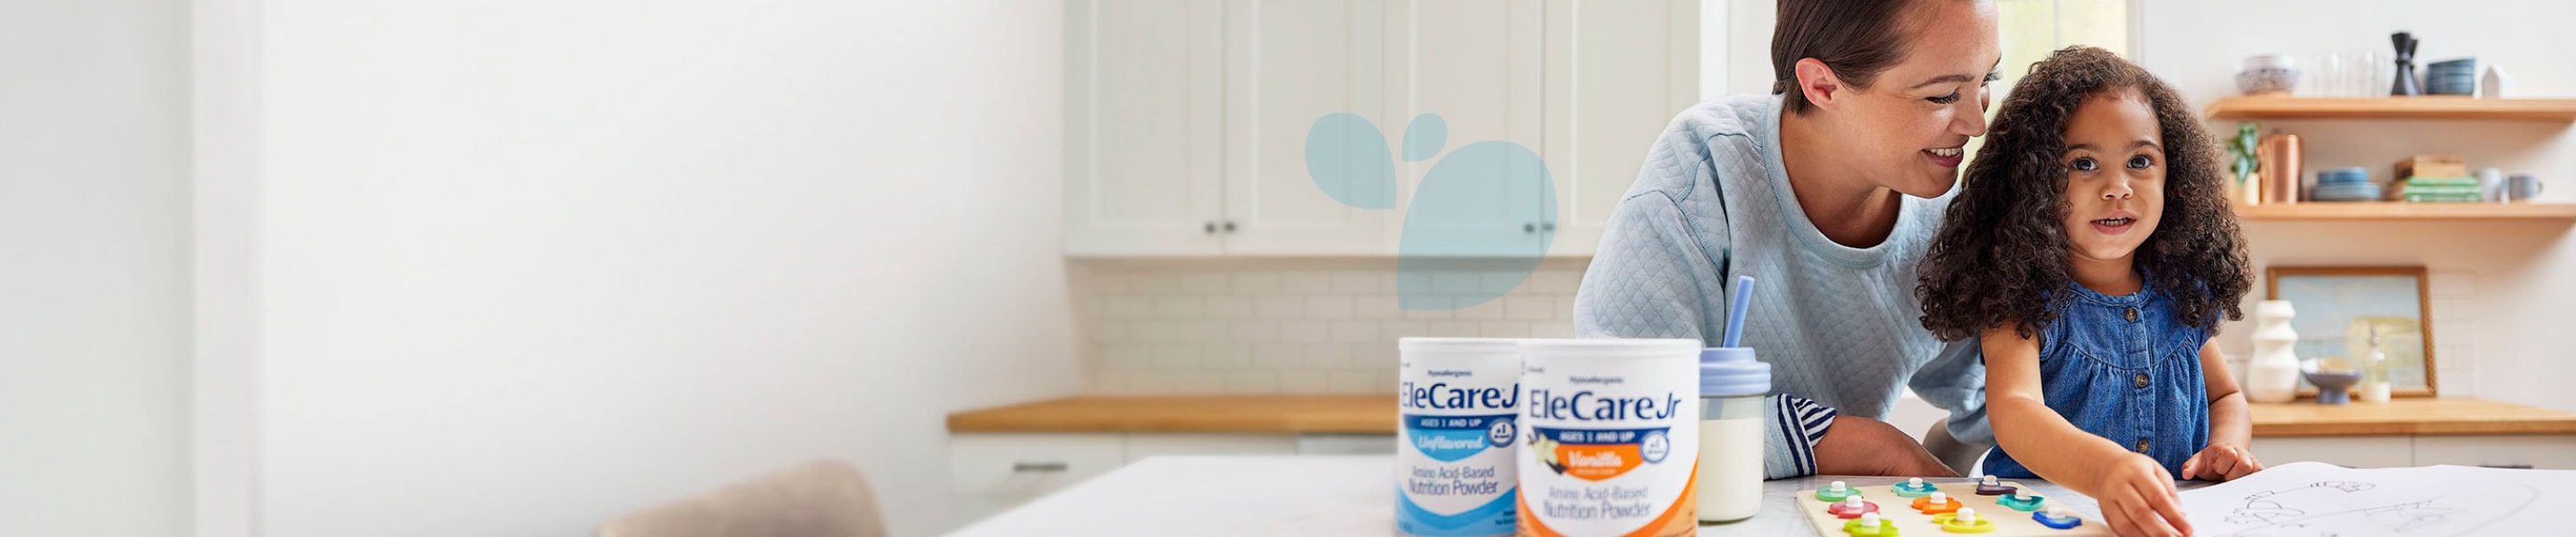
{"x":1028,"y":465}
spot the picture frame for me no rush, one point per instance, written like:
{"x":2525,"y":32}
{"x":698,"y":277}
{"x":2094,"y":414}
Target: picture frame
{"x":2337,"y":307}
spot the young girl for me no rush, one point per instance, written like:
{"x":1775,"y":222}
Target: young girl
{"x":2092,"y":254}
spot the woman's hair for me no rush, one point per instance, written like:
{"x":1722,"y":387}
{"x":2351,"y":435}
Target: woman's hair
{"x":1857,"y":38}
{"x":2001,"y":256}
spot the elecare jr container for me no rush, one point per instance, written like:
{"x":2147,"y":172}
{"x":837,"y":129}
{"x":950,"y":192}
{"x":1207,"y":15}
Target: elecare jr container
{"x":1613,"y":437}
{"x":1454,"y":472}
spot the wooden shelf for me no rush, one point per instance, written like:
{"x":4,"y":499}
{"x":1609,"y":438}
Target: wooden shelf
{"x":2437,"y":107}
{"x":2327,"y":210}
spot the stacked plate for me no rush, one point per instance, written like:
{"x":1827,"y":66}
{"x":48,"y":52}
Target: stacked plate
{"x":2344,"y":184}
{"x":2452,"y":77}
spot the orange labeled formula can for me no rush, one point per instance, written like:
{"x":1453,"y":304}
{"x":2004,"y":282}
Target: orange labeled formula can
{"x":1612,"y":437}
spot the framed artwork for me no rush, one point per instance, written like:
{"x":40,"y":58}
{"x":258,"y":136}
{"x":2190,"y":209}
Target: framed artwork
{"x":2339,"y":308}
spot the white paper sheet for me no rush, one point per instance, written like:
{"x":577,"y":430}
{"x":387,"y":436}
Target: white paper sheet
{"x":2317,"y":499}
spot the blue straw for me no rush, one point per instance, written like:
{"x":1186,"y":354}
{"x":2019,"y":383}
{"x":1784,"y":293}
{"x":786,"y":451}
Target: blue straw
{"x":1735,"y":317}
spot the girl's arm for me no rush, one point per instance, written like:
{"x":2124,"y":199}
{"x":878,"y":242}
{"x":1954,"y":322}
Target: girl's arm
{"x":2231,"y":425}
{"x":2136,"y":495}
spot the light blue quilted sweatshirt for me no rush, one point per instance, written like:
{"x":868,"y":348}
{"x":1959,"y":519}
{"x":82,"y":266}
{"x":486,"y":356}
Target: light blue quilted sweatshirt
{"x":1839,"y":325}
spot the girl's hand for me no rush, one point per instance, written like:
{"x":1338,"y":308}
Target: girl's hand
{"x":2220,"y":462}
{"x":2138,"y":499}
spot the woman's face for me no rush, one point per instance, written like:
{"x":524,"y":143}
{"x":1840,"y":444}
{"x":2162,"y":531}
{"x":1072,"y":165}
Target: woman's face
{"x":1919,"y":114}
{"x":2115,"y":176}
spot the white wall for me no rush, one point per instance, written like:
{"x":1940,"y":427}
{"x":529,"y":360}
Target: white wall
{"x":2506,"y":286}
{"x":523,"y":266}
{"x":93,"y":268}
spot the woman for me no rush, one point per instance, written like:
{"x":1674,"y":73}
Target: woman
{"x":1827,"y":191}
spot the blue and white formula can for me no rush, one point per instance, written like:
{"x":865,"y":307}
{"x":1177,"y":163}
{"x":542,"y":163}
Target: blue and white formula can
{"x":1460,"y":405}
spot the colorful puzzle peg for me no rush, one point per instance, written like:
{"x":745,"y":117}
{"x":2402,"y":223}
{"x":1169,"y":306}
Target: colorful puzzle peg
{"x":1935,"y":504}
{"x":1988,"y":487}
{"x":1870,"y":525}
{"x":1837,"y":491}
{"x":2057,"y":517}
{"x":2021,"y":499}
{"x":1914,"y":487}
{"x":1964,"y":521}
{"x":1851,"y":508}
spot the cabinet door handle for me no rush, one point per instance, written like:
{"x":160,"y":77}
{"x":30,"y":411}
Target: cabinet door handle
{"x":2507,"y":466}
{"x":1049,"y":466}
{"x":1211,"y":227}
{"x":1550,"y":226}
{"x":1229,"y":226}
{"x":1529,"y":228}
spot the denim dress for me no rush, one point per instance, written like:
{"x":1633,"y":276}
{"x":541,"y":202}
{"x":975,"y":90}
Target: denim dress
{"x":2126,"y":368}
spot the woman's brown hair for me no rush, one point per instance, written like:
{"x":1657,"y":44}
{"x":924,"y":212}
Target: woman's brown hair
{"x":1857,"y":38}
{"x":2000,"y":258}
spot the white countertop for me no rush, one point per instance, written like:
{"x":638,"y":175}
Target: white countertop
{"x":1313,"y":495}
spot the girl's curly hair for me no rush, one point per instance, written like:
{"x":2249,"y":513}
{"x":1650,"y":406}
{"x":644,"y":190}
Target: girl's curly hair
{"x":2001,"y":256}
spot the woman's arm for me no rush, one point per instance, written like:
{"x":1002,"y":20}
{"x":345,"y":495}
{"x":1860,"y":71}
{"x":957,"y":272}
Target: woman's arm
{"x":2136,"y":495}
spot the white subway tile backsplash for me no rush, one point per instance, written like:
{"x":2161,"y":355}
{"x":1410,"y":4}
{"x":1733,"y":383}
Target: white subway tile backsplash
{"x":1356,"y":332}
{"x":1226,"y":357}
{"x":1179,"y":307}
{"x":1228,"y":307}
{"x":1154,"y":283}
{"x":1351,"y":282}
{"x":1375,"y":307}
{"x":1391,"y":331}
{"x":1204,"y":284}
{"x":1129,"y":307}
{"x":1487,"y":311}
{"x":1328,"y":357}
{"x":1203,"y":331}
{"x":1561,"y":282}
{"x":1305,"y":382}
{"x":1454,"y":329}
{"x":1455,"y":283}
{"x":1153,"y":332}
{"x":1357,"y":382}
{"x":1176,"y":358}
{"x":1329,"y":307}
{"x":1279,"y":356}
{"x":1305,"y":332}
{"x":1181,"y":330}
{"x":1529,"y":308}
{"x":1254,"y":332}
{"x":1256,"y":283}
{"x":1290,"y":328}
{"x":1306,"y":283}
{"x":1279,"y":307}
{"x":1252,"y":382}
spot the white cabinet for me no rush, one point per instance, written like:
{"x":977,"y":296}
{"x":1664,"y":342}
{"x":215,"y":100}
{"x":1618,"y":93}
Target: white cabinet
{"x":2345,"y":451}
{"x":2504,"y":451}
{"x":2551,"y":452}
{"x":1476,"y":64}
{"x":1187,"y":119}
{"x":1186,"y":124}
{"x":993,"y":472}
{"x":1289,"y":63}
{"x":1144,"y":115}
{"x":1617,"y":73}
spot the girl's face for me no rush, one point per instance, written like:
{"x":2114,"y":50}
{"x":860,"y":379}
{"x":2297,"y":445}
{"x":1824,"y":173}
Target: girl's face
{"x":2115,"y":179}
{"x":1921,"y":112}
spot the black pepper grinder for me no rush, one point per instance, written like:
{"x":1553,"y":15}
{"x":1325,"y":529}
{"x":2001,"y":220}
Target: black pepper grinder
{"x":2405,"y":85}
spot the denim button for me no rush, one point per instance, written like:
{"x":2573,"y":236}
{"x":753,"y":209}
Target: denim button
{"x":2131,"y":315}
{"x":2142,"y":380}
{"x":2142,"y":445}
